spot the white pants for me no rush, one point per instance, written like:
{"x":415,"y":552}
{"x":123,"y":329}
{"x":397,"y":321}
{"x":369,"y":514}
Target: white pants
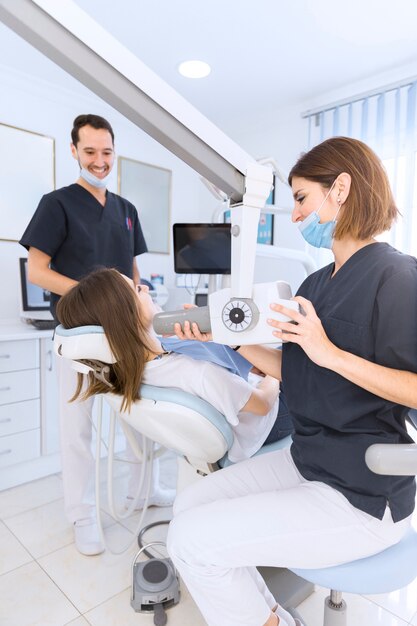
{"x":263,"y":512}
{"x":78,"y":464}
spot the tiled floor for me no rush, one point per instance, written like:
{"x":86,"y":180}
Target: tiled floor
{"x":44,"y":581}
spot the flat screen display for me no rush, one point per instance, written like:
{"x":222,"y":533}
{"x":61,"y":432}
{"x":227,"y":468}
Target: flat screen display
{"x":34,"y":298}
{"x":202,"y":248}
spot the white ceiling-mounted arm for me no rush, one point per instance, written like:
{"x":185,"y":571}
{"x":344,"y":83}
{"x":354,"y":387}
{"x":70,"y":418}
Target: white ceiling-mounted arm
{"x":77,"y":43}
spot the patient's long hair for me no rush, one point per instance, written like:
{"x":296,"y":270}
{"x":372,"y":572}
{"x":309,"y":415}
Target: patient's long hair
{"x":104,"y":298}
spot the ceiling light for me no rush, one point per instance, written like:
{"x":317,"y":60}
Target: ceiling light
{"x":194,"y":69}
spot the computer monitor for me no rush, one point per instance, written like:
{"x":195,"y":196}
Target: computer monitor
{"x":35,"y":301}
{"x":202,"y":248}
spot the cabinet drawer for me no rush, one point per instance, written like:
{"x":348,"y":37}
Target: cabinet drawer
{"x":19,"y":355}
{"x":19,"y":386}
{"x":19,"y":416}
{"x":20,"y":447}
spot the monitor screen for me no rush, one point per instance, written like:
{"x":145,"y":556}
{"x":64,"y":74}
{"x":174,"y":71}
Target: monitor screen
{"x":202,"y":248}
{"x":34,"y":298}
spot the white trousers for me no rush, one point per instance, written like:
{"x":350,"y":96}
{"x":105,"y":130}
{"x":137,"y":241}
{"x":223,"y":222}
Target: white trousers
{"x":263,"y":512}
{"x":77,"y":459}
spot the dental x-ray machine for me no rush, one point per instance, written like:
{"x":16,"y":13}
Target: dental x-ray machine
{"x":73,"y":40}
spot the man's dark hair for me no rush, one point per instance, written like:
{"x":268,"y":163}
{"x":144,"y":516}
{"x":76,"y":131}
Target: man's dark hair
{"x":88,"y":119}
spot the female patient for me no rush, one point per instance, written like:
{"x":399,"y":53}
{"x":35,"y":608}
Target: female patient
{"x":349,"y":365}
{"x":108,"y":299}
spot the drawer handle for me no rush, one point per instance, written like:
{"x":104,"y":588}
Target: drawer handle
{"x":6,"y":420}
{"x":50,"y":362}
{"x":4,"y":452}
{"x":5,"y":388}
{"x":4,"y":356}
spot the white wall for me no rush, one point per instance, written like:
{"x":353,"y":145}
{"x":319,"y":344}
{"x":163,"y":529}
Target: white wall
{"x":280,"y":134}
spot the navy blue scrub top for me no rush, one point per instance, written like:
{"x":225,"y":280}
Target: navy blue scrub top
{"x":368,"y":308}
{"x":80,"y":235}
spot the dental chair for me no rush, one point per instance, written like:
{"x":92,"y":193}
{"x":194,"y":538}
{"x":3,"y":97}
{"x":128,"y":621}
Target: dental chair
{"x":201,"y":436}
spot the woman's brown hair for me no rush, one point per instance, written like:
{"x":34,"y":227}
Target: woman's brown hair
{"x":104,"y":298}
{"x":370,"y":208}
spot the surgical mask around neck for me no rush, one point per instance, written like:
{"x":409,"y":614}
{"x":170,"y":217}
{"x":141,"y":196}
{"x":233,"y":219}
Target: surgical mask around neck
{"x":93,"y":180}
{"x":316,"y":234}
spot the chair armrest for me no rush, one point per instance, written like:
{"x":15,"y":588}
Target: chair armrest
{"x":392,"y":458}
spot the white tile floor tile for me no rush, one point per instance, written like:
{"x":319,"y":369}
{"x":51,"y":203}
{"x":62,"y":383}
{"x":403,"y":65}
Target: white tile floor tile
{"x":12,"y":553}
{"x":88,"y":581}
{"x":45,"y":528}
{"x":30,"y":495}
{"x":30,"y":598}
{"x":62,"y":587}
{"x":402,"y":602}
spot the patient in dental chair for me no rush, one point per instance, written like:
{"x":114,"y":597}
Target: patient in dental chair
{"x":210,"y":371}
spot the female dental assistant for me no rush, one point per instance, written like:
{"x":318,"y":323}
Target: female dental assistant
{"x":345,"y":365}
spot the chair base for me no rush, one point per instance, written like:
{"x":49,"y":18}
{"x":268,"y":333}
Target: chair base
{"x":334,"y":615}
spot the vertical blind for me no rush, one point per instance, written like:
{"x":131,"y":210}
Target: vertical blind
{"x":386,"y":121}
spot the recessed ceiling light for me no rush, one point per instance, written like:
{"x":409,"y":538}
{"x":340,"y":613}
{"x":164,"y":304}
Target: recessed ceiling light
{"x":194,"y":69}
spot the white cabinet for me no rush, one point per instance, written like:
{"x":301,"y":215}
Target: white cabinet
{"x":49,"y":398}
{"x":29,"y":442}
{"x":19,"y":401}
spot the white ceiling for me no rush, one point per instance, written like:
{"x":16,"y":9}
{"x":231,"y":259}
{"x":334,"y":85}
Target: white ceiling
{"x":264,"y":54}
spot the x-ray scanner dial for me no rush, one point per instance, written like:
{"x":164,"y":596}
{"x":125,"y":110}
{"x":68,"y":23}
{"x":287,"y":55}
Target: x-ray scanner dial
{"x":245,"y":320}
{"x":240,"y":314}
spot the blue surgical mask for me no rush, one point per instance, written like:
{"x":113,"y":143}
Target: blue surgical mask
{"x":316,"y":234}
{"x":93,"y":180}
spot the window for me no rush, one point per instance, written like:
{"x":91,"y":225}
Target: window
{"x":386,"y":121}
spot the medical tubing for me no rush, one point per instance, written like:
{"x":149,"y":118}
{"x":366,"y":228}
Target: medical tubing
{"x":144,"y":530}
{"x":192,"y":290}
{"x":97,"y":481}
{"x":110,"y":461}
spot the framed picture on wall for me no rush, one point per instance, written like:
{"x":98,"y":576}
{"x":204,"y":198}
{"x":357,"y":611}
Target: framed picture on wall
{"x":34,"y":154}
{"x":266,"y":222}
{"x":148,"y":187}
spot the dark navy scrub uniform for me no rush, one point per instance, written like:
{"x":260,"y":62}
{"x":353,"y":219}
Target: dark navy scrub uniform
{"x":368,"y":308}
{"x":80,"y":235}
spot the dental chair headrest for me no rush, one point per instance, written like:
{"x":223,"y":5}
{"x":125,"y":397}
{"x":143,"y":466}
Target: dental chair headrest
{"x":83,"y":343}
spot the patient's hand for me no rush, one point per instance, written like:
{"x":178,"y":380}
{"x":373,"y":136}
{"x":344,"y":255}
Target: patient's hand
{"x":257,"y":371}
{"x":191,"y":331}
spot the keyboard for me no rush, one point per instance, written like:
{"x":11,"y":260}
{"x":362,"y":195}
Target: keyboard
{"x":44,"y":324}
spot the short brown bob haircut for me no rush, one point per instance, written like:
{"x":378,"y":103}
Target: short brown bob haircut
{"x":370,"y":208}
{"x":104,"y":298}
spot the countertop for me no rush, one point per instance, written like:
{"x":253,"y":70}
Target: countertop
{"x":12,"y":330}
